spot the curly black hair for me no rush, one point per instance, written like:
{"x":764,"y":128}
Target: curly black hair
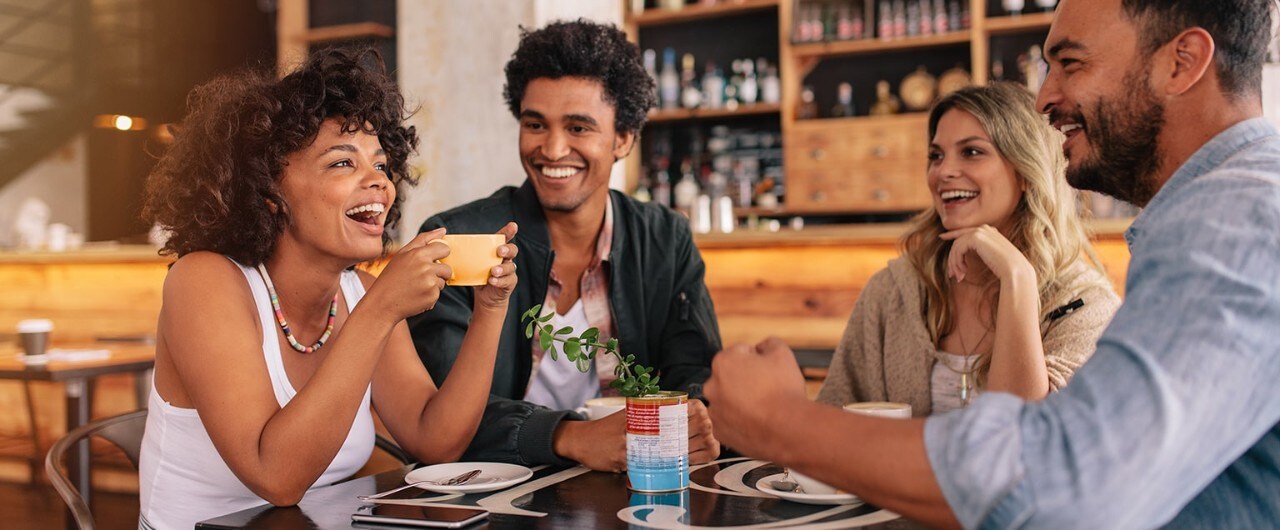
{"x":211,"y":189}
{"x":585,"y":49}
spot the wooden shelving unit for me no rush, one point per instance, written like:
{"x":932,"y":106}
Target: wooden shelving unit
{"x":655,"y":17}
{"x":1018,"y":24}
{"x":861,"y":182}
{"x":871,"y":46}
{"x":673,"y":115}
{"x":359,"y":30}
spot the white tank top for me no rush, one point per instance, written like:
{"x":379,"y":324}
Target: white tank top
{"x":183,"y":479}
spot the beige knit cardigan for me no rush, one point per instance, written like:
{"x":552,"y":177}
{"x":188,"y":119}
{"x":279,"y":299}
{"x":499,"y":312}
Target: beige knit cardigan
{"x":886,"y":353}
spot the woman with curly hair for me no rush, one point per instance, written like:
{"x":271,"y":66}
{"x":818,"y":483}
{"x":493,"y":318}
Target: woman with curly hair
{"x":271,"y":348}
{"x":998,"y":288}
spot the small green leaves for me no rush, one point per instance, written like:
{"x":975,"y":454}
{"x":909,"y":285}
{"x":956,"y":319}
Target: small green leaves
{"x":544,"y":341}
{"x":583,"y":348}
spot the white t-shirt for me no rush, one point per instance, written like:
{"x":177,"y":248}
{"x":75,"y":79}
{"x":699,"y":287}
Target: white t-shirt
{"x":183,"y":479}
{"x":559,"y":384}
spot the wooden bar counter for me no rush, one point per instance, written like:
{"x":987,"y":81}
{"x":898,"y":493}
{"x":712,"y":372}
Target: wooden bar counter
{"x":100,"y":291}
{"x":801,"y":285}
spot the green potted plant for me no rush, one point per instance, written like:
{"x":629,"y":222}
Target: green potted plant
{"x":657,"y":420}
{"x":632,"y":380}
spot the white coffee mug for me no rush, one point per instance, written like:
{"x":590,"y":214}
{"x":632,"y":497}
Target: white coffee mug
{"x":600,"y":407}
{"x":883,"y":409}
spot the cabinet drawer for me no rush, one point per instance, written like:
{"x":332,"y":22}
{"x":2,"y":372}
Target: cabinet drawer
{"x":858,"y":165}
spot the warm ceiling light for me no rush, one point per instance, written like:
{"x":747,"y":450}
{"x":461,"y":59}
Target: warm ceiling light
{"x":120,"y":122}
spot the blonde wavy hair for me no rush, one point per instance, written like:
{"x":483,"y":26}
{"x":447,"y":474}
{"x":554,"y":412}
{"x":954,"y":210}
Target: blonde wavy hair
{"x":1046,"y":224}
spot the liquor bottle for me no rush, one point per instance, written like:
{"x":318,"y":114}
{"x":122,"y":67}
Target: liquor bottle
{"x":651,"y":68}
{"x":749,"y":90}
{"x":669,"y":81}
{"x":844,"y":23}
{"x":1036,"y":69}
{"x":884,"y":21}
{"x":954,"y":20}
{"x":940,"y":16}
{"x":912,"y":18}
{"x":771,"y":87}
{"x":899,"y":19}
{"x":808,"y":108}
{"x":690,"y":96}
{"x":926,"y":17}
{"x":662,"y":183}
{"x":712,"y":87}
{"x":844,"y":102}
{"x":686,"y":191}
{"x":858,"y":24}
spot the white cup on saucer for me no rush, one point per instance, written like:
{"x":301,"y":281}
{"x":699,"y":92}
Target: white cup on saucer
{"x":882,"y":409}
{"x":600,"y":407}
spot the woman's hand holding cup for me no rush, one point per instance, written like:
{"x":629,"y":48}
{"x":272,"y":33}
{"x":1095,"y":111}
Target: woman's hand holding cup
{"x":412,"y":280}
{"x":496,"y":290}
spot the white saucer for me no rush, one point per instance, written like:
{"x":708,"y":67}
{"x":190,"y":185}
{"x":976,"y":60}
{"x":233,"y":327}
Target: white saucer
{"x":766,"y":485}
{"x":493,"y":476}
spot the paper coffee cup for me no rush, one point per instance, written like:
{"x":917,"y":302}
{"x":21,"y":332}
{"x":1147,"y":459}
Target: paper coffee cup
{"x":883,"y":409}
{"x":34,"y":335}
{"x":472,"y":256}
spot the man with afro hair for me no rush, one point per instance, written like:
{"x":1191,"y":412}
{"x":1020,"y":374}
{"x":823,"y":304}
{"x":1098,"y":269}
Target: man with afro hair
{"x":594,"y":257}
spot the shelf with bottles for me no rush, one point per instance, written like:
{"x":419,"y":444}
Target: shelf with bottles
{"x":889,"y":83}
{"x":686,"y":11}
{"x":1017,"y":57}
{"x":741,"y":163}
{"x":821,"y":50}
{"x":723,"y":67}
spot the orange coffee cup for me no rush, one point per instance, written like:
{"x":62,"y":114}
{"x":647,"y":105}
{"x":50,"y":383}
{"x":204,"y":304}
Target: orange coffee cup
{"x":472,"y":256}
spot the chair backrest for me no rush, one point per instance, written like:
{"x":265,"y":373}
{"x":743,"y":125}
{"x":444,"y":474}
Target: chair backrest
{"x":125,"y":431}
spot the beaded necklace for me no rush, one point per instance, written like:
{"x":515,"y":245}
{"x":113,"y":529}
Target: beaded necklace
{"x":284,"y":326}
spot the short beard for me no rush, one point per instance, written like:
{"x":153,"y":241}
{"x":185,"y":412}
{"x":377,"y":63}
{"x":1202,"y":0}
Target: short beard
{"x":1124,"y":135}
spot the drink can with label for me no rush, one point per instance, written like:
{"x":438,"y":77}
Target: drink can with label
{"x":658,"y":442}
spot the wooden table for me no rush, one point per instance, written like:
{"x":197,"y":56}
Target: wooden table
{"x":78,"y":379}
{"x":721,"y":496}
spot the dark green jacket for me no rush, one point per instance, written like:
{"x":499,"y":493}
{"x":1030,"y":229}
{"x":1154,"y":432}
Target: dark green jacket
{"x":661,"y":310}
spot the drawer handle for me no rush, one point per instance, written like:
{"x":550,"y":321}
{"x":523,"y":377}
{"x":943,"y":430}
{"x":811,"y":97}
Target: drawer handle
{"x":880,"y":195}
{"x":818,"y":196}
{"x":818,"y":154}
{"x":880,"y":151}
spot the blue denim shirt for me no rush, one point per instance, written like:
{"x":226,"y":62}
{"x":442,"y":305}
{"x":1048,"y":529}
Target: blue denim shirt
{"x":1174,"y":419}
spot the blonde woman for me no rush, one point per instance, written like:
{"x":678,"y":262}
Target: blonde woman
{"x":998,"y":289}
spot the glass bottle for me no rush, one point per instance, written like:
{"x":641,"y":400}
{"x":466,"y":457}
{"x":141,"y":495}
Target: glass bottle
{"x":771,"y":87}
{"x":886,"y":102}
{"x":750,"y":89}
{"x":690,"y":96}
{"x":669,"y":81}
{"x":808,"y":108}
{"x":940,"y":16}
{"x":651,"y":68}
{"x":712,"y":87}
{"x":844,"y":101}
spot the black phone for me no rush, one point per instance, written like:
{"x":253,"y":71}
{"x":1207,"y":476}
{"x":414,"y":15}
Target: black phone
{"x":427,"y":516}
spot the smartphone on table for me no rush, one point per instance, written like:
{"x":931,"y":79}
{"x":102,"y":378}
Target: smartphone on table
{"x":422,"y":516}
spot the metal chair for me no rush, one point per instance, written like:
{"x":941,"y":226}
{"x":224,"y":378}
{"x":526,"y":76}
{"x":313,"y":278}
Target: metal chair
{"x":125,"y":431}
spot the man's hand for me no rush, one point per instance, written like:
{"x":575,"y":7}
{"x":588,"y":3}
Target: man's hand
{"x":598,"y":444}
{"x":703,"y":446}
{"x":749,"y":387}
{"x":602,"y":444}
